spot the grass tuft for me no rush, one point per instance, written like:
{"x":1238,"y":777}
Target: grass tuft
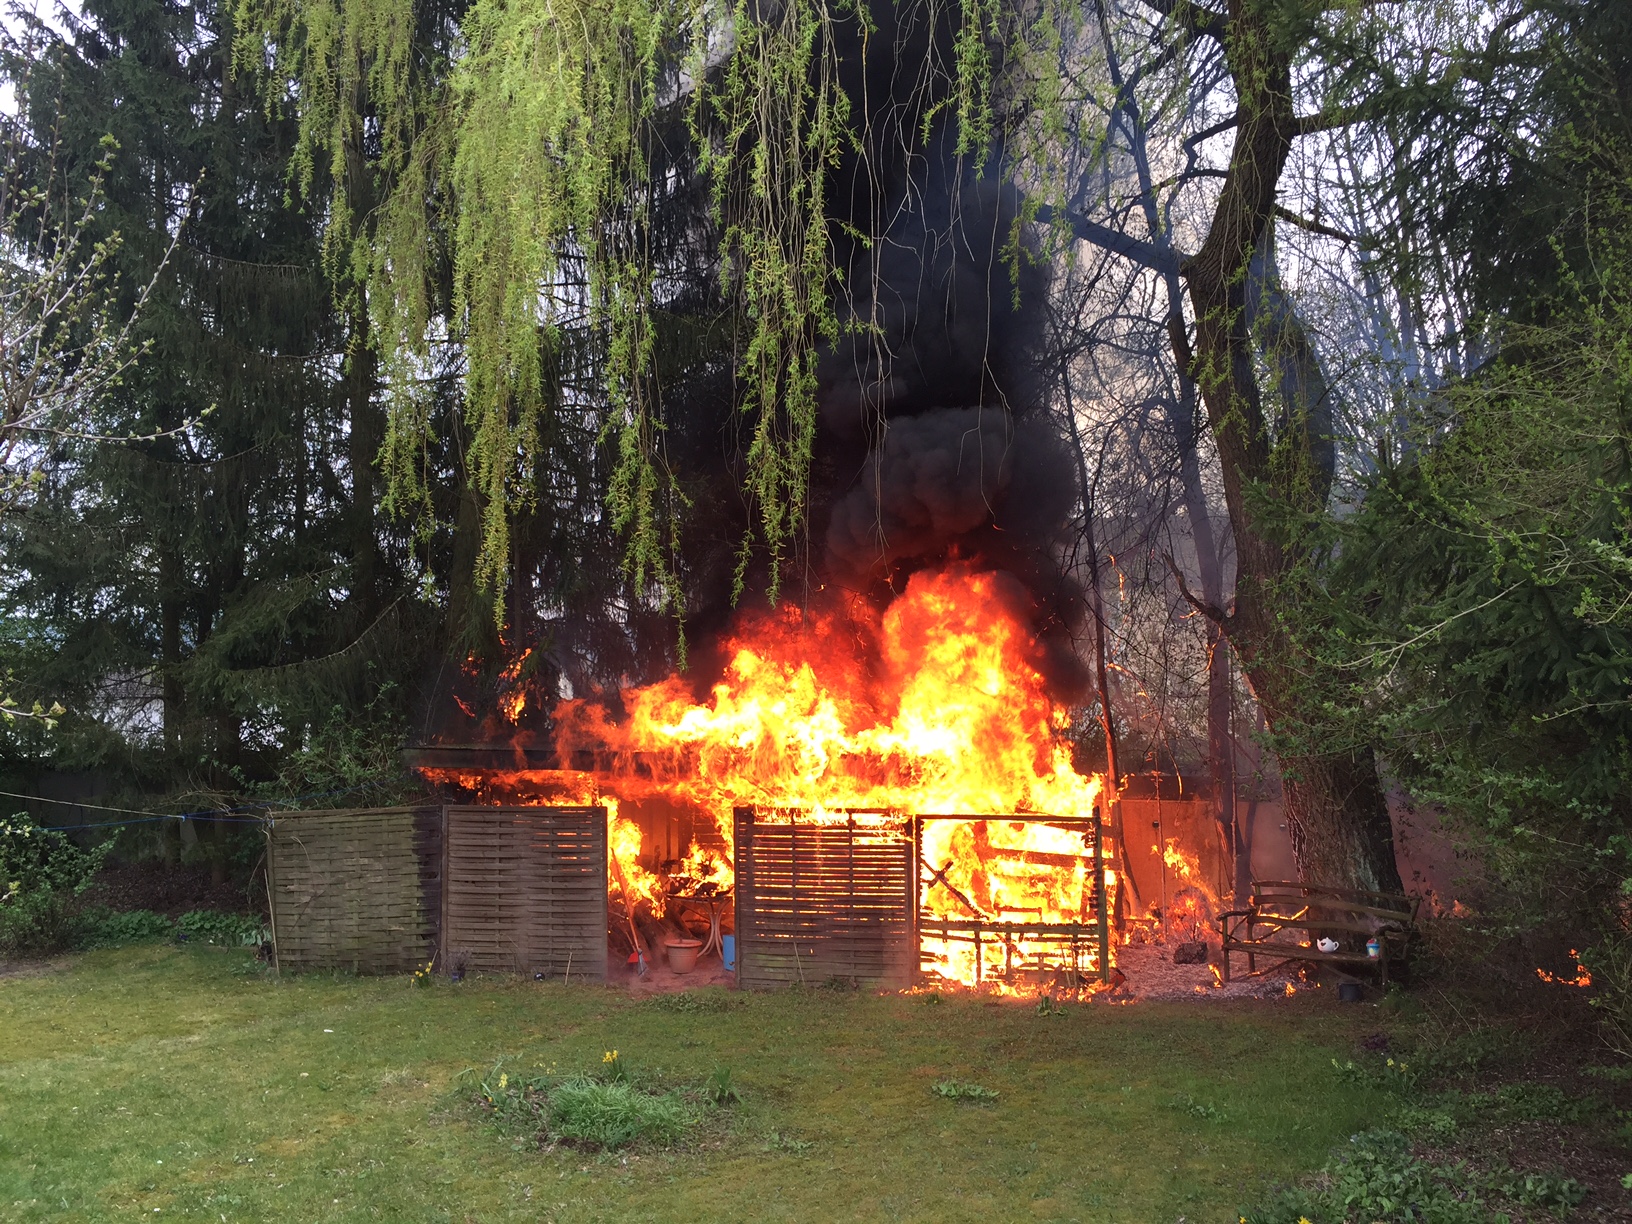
{"x":957,"y":1090}
{"x":613,"y":1115}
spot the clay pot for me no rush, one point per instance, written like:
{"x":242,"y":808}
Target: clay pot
{"x":683,"y":954}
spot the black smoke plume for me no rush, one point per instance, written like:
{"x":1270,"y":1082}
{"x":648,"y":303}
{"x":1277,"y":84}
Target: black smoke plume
{"x":935,"y":440}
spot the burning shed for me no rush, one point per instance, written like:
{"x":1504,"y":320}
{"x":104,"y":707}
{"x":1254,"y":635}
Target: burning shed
{"x":880,"y":794}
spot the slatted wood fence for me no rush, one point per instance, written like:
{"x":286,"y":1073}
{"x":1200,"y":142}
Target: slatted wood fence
{"x":386,"y":890}
{"x":822,"y":901}
{"x":526,"y":890}
{"x":358,"y":889}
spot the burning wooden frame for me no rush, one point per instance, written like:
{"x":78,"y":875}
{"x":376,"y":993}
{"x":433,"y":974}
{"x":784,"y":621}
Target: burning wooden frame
{"x":1033,"y":902}
{"x":880,"y":899}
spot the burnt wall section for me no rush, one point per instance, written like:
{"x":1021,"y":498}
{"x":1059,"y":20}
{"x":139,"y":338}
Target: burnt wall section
{"x":525,"y":891}
{"x":357,"y":889}
{"x":817,"y":902}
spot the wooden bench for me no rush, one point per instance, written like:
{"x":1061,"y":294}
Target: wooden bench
{"x":1285,"y":918}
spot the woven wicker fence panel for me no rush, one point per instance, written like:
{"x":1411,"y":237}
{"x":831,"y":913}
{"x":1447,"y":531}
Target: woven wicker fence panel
{"x":357,"y":889}
{"x":816,"y":902}
{"x":526,"y":890}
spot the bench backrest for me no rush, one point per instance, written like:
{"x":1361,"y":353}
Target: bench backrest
{"x":1288,"y":898}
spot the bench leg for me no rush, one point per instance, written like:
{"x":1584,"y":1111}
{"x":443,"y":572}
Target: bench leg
{"x":1224,"y":952}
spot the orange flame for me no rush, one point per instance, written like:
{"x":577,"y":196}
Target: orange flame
{"x":1582,"y":976}
{"x":951,"y":716}
{"x":937,"y":705}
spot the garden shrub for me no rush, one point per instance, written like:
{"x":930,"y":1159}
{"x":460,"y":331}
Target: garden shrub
{"x":41,"y":873}
{"x":106,"y":928}
{"x":216,"y":927}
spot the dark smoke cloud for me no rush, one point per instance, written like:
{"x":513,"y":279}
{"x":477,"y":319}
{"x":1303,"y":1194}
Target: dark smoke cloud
{"x":940,"y":319}
{"x":936,"y":443}
{"x":937,"y":477}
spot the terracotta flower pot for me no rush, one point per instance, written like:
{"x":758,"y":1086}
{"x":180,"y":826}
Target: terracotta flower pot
{"x":683,"y":954}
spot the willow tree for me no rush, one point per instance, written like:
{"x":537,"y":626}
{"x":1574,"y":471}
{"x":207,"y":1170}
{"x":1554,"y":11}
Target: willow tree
{"x":501,"y":177}
{"x":512,"y":192}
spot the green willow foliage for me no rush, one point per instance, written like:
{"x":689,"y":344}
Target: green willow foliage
{"x":526,"y":145}
{"x":781,"y":104}
{"x":531,"y":153}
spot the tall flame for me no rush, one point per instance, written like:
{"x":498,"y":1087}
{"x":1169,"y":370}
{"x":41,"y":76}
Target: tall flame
{"x":937,"y":706}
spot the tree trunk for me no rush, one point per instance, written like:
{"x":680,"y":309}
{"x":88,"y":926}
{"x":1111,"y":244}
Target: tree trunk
{"x":1338,"y":818}
{"x":366,"y":433}
{"x":1334,"y":802}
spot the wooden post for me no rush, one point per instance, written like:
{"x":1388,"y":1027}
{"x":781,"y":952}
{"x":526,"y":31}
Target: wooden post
{"x":1099,"y":905}
{"x":271,"y":896}
{"x":743,"y":886}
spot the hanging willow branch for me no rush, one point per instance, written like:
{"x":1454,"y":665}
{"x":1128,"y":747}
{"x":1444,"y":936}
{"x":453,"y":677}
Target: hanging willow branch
{"x":514,"y":144}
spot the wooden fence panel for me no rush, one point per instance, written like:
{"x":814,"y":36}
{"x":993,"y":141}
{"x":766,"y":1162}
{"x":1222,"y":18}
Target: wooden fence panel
{"x":357,"y":889}
{"x":822,"y":901}
{"x":525,"y":890}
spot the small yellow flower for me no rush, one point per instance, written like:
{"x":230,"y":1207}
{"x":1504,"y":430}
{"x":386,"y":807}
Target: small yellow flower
{"x":1305,"y":1220}
{"x":504,"y":1081}
{"x":610,"y":1056}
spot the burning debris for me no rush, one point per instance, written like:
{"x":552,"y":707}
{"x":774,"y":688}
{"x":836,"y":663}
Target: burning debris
{"x":936,"y":706}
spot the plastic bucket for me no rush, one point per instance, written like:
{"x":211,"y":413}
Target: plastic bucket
{"x":728,"y":952}
{"x":683,"y":954}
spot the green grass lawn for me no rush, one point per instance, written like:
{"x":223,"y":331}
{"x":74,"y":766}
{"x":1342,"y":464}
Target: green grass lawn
{"x":183,"y":1080}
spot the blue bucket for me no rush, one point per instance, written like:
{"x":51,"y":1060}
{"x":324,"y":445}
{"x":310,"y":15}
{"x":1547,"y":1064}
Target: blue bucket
{"x":728,"y":952}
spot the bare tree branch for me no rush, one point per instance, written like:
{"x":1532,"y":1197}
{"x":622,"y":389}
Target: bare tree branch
{"x":1146,"y":254}
{"x":1191,"y":17}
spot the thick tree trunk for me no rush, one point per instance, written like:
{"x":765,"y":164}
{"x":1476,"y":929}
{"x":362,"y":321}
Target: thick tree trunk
{"x":1336,"y":813}
{"x":1334,"y":802}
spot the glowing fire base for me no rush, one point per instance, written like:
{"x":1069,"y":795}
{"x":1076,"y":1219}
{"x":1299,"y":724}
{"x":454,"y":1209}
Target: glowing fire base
{"x":1012,"y":898}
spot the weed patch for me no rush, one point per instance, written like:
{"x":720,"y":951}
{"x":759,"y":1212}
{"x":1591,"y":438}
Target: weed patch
{"x":957,"y":1090}
{"x":1187,"y":1104}
{"x":605,"y":1111}
{"x":100,"y":927}
{"x":1377,"y":1178}
{"x":695,"y":1002}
